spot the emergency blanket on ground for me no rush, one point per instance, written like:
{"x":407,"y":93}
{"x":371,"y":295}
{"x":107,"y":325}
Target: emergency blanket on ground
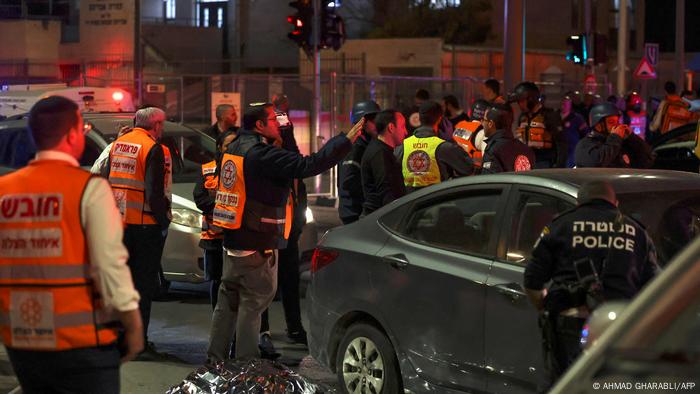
{"x":249,"y":376}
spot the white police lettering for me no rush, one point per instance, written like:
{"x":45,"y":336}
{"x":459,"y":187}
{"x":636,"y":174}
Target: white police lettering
{"x":31,"y":207}
{"x":603,"y":235}
{"x":126,"y":149}
{"x":32,"y":320}
{"x":124,"y":165}
{"x":37,"y":242}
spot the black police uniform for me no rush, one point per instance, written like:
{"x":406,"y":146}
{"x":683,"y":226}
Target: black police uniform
{"x":619,"y":247}
{"x":550,"y":157}
{"x":504,"y":153}
{"x":599,"y":150}
{"x":350,"y":193}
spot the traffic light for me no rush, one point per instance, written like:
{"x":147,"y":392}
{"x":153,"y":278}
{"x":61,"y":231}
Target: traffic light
{"x":578,"y":53}
{"x":332,"y":28}
{"x":301,"y":23}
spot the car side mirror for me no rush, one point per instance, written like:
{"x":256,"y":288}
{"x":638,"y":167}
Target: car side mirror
{"x":599,"y":321}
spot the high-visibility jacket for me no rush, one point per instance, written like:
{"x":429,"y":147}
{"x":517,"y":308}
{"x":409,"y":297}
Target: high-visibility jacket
{"x":638,"y":122}
{"x":211,"y":182}
{"x":676,"y":114}
{"x":419,"y":164}
{"x":168,"y":187}
{"x":127,"y":174}
{"x":48,"y":301}
{"x":465,"y":135}
{"x":233,"y":211}
{"x":534,"y":133}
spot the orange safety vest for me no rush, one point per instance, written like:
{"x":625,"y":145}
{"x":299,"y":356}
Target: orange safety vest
{"x":676,"y":114}
{"x":48,"y":301}
{"x":534,"y":133}
{"x":211,"y":182}
{"x":231,"y":201}
{"x":465,"y":136}
{"x":127,"y":174}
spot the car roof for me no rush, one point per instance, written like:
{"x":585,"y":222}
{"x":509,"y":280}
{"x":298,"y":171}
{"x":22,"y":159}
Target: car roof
{"x":568,"y":180}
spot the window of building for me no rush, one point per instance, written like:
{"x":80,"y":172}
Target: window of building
{"x":169,"y":9}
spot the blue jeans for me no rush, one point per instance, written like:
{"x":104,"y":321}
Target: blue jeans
{"x":88,"y":370}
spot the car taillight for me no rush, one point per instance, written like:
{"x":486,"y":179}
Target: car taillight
{"x":321,"y":258}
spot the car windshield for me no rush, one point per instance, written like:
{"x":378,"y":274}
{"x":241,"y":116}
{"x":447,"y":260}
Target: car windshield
{"x":188,"y":147}
{"x":672,"y":217}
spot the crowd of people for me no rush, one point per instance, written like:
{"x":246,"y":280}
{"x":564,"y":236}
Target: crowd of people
{"x":253,"y":201}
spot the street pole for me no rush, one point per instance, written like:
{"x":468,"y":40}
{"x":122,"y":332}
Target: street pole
{"x":138,"y":60}
{"x":513,"y":43}
{"x":622,"y":50}
{"x":588,"y":19}
{"x":316,"y":114}
{"x":680,"y":44}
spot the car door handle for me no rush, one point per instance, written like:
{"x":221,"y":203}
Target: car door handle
{"x":397,"y":261}
{"x":511,"y":290}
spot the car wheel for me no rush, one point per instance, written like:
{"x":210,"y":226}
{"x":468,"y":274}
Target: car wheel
{"x":366,"y":362}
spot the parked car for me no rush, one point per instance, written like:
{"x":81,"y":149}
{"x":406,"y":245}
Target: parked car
{"x":182,"y":258}
{"x":425,"y":294}
{"x":675,"y":150}
{"x":653,"y":343}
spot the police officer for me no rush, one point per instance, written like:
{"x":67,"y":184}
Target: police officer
{"x":503,"y":152}
{"x":204,"y":197}
{"x":349,"y":173}
{"x":254,"y":207}
{"x":592,"y":253}
{"x":52,"y":291}
{"x":575,"y":127}
{"x":425,"y":158}
{"x":611,"y":144}
{"x":539,"y":127}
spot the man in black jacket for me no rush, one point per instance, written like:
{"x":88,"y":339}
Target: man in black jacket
{"x":611,"y":144}
{"x":349,"y":176}
{"x":382,"y":181}
{"x":255,"y":185}
{"x":226,"y":118}
{"x":425,"y":158}
{"x":503,"y":152}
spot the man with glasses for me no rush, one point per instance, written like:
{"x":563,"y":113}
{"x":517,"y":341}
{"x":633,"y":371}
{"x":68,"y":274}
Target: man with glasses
{"x":254,"y":208}
{"x":503,"y":153}
{"x":138,"y":173}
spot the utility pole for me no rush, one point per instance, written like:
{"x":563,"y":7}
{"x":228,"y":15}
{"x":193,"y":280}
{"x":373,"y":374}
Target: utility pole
{"x":513,"y":43}
{"x":622,"y":50}
{"x":138,"y":53}
{"x":680,"y":44}
{"x":588,"y":19}
{"x":316,"y":114}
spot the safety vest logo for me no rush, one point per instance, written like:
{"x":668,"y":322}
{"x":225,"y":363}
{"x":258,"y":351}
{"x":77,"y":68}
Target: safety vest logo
{"x":522,"y":163}
{"x":418,"y":162}
{"x":228,"y":174}
{"x":30,"y":311}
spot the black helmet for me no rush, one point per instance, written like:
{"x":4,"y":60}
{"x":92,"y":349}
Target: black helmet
{"x":602,"y":111}
{"x":363,"y":108}
{"x":526,"y":91}
{"x":479,"y":109}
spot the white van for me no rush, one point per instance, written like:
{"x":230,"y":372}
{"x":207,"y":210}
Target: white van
{"x":18,"y":99}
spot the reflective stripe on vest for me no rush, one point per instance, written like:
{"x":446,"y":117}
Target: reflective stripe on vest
{"x":419,"y":165}
{"x":534,"y":133}
{"x":676,"y":115}
{"x":638,"y":123}
{"x":211,"y":182}
{"x":127,"y":175}
{"x":47,"y":299}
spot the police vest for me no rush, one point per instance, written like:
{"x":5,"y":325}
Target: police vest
{"x":211,"y":182}
{"x":47,"y":299}
{"x":127,"y":174}
{"x":420,"y":167}
{"x":676,"y":115}
{"x":465,"y":135}
{"x":638,"y":122}
{"x":534,"y":133}
{"x":233,"y":211}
